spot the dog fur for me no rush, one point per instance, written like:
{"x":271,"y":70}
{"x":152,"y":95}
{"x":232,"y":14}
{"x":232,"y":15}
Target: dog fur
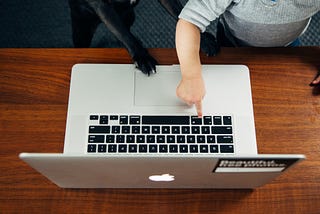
{"x":118,"y":16}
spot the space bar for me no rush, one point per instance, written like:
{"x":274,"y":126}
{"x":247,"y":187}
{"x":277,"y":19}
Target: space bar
{"x":169,"y":120}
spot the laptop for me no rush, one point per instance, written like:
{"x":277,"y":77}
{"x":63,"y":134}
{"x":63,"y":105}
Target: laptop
{"x":128,"y":130}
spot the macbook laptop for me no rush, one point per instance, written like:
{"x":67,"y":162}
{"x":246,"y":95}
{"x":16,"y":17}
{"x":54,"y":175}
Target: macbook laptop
{"x":128,"y":130}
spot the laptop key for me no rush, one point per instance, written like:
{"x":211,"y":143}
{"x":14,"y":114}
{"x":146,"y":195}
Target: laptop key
{"x":195,"y":129}
{"x":181,"y":139}
{"x":115,"y":129}
{"x":94,"y":117}
{"x":135,"y":129}
{"x":214,"y":149}
{"x":114,"y":117}
{"x":99,"y":129}
{"x":191,"y":138}
{"x":96,"y":139}
{"x":141,"y":139}
{"x":92,"y":148}
{"x":110,"y":139}
{"x":133,"y":148}
{"x":217,"y":120}
{"x":169,"y":120}
{"x":155,"y":130}
{"x":221,"y":129}
{"x":171,"y":139}
{"x":227,"y":120}
{"x":205,"y":130}
{"x":163,"y":148}
{"x":153,"y":148}
{"x":207,"y":120}
{"x":173,"y":148}
{"x":102,"y":148}
{"x":143,"y":148}
{"x":193,"y":148}
{"x":112,"y":148}
{"x":224,"y":139}
{"x":204,"y":149}
{"x":226,"y":149}
{"x":134,"y":119}
{"x":151,"y":138}
{"x":175,"y":129}
{"x":122,"y":148}
{"x":211,"y":139}
{"x":145,"y":130}
{"x":195,"y":120}
{"x":165,"y":129}
{"x":123,"y":119}
{"x":103,"y":119}
{"x":201,"y":139}
{"x":125,"y":129}
{"x":120,"y":139}
{"x":161,"y":138}
{"x":183,"y":148}
{"x":185,"y":130}
{"x":130,"y":139}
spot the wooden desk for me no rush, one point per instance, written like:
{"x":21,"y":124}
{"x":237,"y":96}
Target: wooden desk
{"x":34,"y":86}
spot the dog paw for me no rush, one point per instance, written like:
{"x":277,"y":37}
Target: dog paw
{"x":209,"y":44}
{"x":145,"y":63}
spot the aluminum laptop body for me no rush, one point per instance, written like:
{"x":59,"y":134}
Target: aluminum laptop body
{"x":121,"y":89}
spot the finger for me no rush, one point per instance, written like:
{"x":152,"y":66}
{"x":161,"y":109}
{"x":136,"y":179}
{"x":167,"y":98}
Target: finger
{"x":199,"y":108}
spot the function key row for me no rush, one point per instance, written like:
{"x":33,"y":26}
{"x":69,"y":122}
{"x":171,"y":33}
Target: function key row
{"x":161,"y":120}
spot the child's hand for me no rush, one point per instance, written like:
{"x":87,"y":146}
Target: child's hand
{"x":192,"y":91}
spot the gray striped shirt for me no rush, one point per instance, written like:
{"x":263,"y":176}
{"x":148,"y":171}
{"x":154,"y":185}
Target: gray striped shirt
{"x":261,"y":23}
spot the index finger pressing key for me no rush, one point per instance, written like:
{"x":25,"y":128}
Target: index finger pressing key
{"x":199,"y":108}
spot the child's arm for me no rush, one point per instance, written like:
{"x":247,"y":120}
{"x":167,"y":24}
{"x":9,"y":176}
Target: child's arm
{"x":191,"y":88}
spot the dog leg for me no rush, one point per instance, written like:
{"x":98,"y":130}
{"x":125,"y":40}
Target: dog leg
{"x":84,"y":23}
{"x":108,"y":15}
{"x":209,"y":44}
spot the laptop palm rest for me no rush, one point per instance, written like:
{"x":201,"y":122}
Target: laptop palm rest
{"x":158,"y":89}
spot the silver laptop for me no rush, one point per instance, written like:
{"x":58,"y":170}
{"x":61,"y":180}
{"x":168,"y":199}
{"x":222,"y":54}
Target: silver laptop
{"x":127,"y":130}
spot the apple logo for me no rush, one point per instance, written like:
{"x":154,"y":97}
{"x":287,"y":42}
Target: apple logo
{"x":163,"y":177}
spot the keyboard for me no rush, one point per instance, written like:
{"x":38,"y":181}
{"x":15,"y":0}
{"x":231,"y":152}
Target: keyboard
{"x":161,"y":134}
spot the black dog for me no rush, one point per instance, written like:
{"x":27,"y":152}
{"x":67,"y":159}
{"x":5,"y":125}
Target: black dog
{"x":118,"y":16}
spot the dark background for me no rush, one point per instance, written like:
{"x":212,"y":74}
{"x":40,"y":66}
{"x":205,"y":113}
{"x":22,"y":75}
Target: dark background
{"x":46,"y":23}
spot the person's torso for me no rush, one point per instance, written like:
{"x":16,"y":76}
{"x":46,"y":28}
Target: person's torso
{"x":268,"y":22}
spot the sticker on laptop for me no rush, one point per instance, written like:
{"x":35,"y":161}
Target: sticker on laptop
{"x":252,"y":165}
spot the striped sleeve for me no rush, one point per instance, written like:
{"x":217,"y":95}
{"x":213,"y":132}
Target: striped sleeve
{"x":202,"y":12}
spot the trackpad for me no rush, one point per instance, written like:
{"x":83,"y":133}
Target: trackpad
{"x":157,"y":89}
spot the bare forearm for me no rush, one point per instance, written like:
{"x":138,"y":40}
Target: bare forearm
{"x":191,"y":88}
{"x":188,"y":46}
